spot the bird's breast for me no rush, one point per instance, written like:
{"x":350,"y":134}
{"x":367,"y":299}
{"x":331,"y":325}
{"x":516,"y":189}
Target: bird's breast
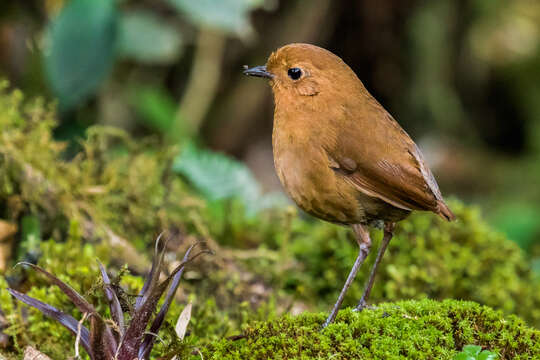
{"x":305,"y":173}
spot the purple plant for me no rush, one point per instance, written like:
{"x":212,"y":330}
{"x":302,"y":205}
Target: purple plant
{"x":119,"y":341}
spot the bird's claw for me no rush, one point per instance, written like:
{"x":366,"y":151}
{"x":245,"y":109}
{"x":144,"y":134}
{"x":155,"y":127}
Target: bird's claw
{"x":363,"y":306}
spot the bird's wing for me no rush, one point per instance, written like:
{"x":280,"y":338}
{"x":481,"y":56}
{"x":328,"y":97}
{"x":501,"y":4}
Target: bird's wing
{"x":380,"y":159}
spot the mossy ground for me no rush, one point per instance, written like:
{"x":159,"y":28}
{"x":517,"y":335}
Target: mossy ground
{"x":423,"y":329}
{"x":113,"y":198}
{"x":427,"y":258}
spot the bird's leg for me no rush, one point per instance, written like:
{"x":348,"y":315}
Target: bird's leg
{"x":364,"y":242}
{"x":388,"y":233}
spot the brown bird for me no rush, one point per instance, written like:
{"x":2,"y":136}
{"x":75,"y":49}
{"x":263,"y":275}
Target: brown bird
{"x":340,"y":155}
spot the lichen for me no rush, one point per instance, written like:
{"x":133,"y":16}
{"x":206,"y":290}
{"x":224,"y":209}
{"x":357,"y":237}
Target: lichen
{"x":424,"y":329}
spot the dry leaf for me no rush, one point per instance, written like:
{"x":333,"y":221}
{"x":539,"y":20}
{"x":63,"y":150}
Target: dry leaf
{"x":32,"y":354}
{"x":183,"y":321}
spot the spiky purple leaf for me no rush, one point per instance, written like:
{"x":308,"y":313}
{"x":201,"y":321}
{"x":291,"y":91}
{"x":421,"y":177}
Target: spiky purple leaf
{"x":153,"y":276}
{"x":114,"y":303}
{"x":77,"y":299}
{"x":149,"y":340}
{"x":66,"y":320}
{"x":103,"y":345}
{"x":133,"y":336}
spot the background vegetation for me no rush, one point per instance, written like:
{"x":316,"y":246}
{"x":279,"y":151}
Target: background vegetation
{"x":136,"y":119}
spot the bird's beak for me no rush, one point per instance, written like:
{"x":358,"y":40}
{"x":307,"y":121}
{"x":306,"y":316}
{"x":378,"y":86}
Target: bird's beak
{"x":259,"y":71}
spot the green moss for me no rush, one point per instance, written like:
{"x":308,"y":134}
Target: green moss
{"x":428,"y":258}
{"x":115,"y":188}
{"x":121,"y":187}
{"x":423,"y":329}
{"x":76,"y":264}
{"x":117,"y":194}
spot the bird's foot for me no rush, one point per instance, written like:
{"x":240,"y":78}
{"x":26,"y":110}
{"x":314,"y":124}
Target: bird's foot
{"x":327,"y":322}
{"x":363,"y":305}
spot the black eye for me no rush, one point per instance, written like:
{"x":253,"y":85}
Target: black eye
{"x":294,"y":73}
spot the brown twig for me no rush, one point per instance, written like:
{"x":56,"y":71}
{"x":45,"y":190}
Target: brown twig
{"x":236,"y":337}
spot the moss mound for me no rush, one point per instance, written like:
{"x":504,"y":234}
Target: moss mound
{"x":427,"y":258}
{"x":423,"y":329}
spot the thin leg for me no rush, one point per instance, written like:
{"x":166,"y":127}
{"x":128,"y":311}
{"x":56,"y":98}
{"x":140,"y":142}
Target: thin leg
{"x":364,"y":242}
{"x":388,"y":233}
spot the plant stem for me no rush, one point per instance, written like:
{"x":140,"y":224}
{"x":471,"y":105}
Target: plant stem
{"x":203,"y":80}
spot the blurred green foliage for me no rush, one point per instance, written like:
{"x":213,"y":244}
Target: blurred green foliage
{"x":145,"y":38}
{"x":227,"y":15}
{"x":88,"y":37}
{"x":157,"y":110}
{"x":30,"y":235}
{"x":82,"y":51}
{"x":217,"y":177}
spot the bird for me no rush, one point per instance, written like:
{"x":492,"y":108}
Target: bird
{"x":340,"y":156}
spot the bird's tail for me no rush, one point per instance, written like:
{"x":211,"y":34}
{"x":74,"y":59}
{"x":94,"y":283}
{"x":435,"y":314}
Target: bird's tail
{"x":444,"y":211}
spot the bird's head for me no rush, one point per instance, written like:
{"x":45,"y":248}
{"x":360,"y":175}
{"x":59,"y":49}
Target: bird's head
{"x":305,"y":70}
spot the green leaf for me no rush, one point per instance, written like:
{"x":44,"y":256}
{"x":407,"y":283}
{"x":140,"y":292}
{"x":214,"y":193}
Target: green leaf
{"x":535,"y":264}
{"x":227,"y":15}
{"x":218,"y":176}
{"x":81,"y":49}
{"x":464,"y":356}
{"x":472,"y":349}
{"x":30,"y":228}
{"x":487,"y":355}
{"x":154,"y":106}
{"x":519,"y":221}
{"x":215,"y":175}
{"x":474,"y":352}
{"x":30,"y":235}
{"x":147,"y":38}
